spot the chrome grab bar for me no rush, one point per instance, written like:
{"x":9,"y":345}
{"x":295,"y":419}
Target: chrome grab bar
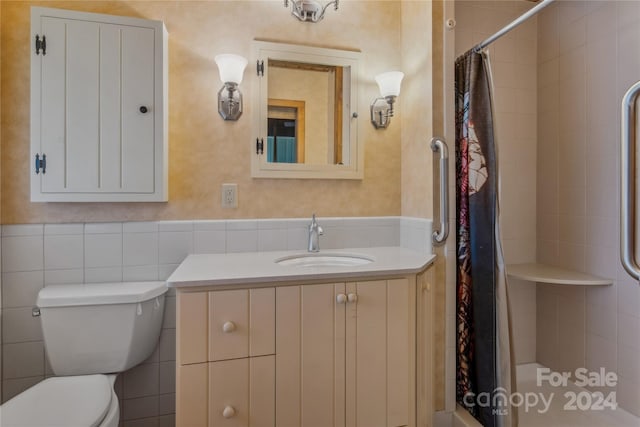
{"x":627,"y":186}
{"x":438,"y":144}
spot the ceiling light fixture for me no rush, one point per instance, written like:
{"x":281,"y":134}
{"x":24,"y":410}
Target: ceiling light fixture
{"x":309,"y":10}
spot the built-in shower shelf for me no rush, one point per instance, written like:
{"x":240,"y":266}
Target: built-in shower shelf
{"x":555,"y":275}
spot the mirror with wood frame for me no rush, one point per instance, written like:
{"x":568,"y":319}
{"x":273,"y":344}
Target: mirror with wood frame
{"x":306,"y":126}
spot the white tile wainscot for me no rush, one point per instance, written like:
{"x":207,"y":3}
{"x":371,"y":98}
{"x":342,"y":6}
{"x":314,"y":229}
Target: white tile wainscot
{"x":38,"y":255}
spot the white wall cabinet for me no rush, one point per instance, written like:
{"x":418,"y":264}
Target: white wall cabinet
{"x":324,"y":355}
{"x":98,"y":108}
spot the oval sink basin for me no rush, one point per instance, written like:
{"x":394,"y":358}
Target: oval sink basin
{"x":324,"y":260}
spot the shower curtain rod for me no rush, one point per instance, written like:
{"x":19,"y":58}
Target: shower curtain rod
{"x":512,"y":25}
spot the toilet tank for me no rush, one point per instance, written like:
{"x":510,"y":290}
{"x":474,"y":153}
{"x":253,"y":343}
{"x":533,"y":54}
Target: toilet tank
{"x":100,"y":328}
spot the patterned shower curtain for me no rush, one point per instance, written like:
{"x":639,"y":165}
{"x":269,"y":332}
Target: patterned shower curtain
{"x":484,"y":369}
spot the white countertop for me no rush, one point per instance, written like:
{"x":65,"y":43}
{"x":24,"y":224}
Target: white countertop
{"x":202,"y":270}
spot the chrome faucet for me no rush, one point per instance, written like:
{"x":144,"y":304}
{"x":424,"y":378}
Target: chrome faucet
{"x":315,"y":231}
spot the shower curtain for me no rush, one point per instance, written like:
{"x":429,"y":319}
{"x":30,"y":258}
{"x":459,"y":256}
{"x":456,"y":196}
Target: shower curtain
{"x":485,"y":377}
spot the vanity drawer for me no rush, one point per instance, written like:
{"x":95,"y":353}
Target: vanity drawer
{"x":241,"y":323}
{"x":241,"y":392}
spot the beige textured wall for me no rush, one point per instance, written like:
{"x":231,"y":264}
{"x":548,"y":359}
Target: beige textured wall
{"x":415,"y":112}
{"x":204,"y":150}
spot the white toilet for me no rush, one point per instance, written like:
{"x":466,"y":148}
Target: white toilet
{"x":91,"y":333}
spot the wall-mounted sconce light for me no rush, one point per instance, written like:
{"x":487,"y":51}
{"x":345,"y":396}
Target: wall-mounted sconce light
{"x":382,"y":107}
{"x":231,"y":69}
{"x":309,"y":10}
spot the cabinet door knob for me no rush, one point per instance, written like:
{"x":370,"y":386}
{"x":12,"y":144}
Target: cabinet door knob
{"x":228,"y":327}
{"x":341,"y":298}
{"x":228,"y":412}
{"x":352,"y":297}
{"x":143,"y":109}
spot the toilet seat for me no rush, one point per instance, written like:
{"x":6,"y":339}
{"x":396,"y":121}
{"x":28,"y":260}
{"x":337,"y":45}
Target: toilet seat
{"x":60,"y":401}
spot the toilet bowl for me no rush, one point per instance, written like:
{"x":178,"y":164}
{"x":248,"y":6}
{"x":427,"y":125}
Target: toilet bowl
{"x":115,"y":327}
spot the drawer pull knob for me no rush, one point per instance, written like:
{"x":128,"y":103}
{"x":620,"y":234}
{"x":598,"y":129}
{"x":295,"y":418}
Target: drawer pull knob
{"x":228,"y":327}
{"x":228,"y":412}
{"x":352,"y":297}
{"x":341,"y":298}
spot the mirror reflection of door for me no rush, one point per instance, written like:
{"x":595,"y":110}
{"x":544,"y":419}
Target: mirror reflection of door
{"x":320,"y":90}
{"x":286,"y":131}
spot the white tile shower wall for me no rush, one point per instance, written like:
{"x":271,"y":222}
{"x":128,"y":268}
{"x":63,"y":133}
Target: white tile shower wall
{"x":34,"y":256}
{"x":513,"y":59}
{"x":587,"y":59}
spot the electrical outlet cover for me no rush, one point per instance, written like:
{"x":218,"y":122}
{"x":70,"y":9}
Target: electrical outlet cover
{"x":229,"y":195}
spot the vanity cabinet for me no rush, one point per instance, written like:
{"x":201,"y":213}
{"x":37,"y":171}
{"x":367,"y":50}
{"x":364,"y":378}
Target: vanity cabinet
{"x":98,"y":108}
{"x":328,"y":354}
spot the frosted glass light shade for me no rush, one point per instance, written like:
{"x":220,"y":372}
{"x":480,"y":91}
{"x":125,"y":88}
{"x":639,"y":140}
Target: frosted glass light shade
{"x":389,"y":83}
{"x":231,"y":67}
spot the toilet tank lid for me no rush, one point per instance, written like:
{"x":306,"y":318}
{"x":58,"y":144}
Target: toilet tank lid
{"x":99,"y":293}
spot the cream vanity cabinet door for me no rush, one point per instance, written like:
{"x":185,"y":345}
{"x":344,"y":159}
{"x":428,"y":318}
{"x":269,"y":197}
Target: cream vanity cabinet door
{"x":98,"y":107}
{"x":310,"y":355}
{"x":381,"y":353}
{"x":345,"y":354}
{"x":225,"y":345}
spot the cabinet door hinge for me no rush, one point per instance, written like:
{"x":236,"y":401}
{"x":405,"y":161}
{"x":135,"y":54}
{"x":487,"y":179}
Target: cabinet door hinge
{"x":41,"y":44}
{"x":259,"y":146}
{"x":260,"y":67}
{"x":41,"y":163}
